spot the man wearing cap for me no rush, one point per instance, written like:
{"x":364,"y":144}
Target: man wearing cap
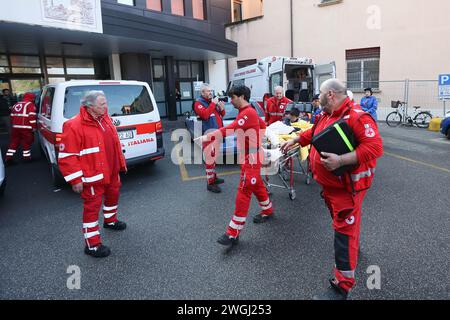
{"x":317,"y":109}
{"x":292,"y":117}
{"x":369,"y":103}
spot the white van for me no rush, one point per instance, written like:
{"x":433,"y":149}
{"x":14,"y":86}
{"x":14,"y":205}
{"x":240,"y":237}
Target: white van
{"x":299,"y":76}
{"x":2,"y":176}
{"x":131,"y":105}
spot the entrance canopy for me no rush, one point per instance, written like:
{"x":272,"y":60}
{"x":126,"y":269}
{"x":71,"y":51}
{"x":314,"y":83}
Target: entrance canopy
{"x":33,"y":40}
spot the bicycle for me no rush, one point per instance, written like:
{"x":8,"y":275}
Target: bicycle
{"x":420,"y":119}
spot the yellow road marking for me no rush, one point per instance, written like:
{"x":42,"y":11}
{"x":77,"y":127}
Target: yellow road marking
{"x":185,"y":175}
{"x":417,"y":162}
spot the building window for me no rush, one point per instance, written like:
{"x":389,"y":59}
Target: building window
{"x":177,"y":7}
{"x":80,"y":66}
{"x":127,"y":2}
{"x":154,"y":5}
{"x":245,"y":63}
{"x":363,"y":68}
{"x":158,"y":68}
{"x":199,"y":9}
{"x":25,"y":64}
{"x":237,"y":11}
{"x":55,"y":65}
{"x":184,"y":69}
{"x":4,"y":64}
{"x":197,"y":70}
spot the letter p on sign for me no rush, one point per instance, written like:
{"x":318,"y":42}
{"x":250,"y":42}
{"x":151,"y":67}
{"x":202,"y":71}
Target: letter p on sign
{"x":444,"y":79}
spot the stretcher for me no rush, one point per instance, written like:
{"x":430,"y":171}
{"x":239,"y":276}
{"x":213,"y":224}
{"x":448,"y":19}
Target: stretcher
{"x":285,"y":165}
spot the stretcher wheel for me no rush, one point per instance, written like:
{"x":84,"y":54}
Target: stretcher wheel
{"x":292,"y":195}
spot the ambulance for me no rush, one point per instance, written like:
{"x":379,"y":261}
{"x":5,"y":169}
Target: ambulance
{"x":300,"y":77}
{"x":131,"y":105}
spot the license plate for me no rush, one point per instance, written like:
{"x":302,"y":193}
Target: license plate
{"x":123,"y":135}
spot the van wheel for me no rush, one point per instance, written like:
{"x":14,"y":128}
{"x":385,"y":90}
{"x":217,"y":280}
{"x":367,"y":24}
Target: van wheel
{"x":448,"y":133}
{"x":57,"y":179}
{"x":2,"y":188}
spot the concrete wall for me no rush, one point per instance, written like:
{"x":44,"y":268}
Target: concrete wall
{"x":412,"y":35}
{"x":217,"y":74}
{"x":262,"y":37}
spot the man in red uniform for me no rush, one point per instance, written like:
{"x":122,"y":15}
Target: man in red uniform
{"x":248,"y":128}
{"x":276,"y":106}
{"x":343,"y":195}
{"x":23,"y":122}
{"x":90,"y":159}
{"x":211,"y":112}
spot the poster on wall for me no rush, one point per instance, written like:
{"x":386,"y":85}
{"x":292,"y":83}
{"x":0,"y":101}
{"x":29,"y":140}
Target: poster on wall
{"x":74,"y":13}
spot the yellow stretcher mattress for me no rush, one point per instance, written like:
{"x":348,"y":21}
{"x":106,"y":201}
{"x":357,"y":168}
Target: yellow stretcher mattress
{"x":303,"y":125}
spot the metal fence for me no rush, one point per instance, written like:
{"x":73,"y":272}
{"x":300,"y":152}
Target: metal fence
{"x":423,"y":93}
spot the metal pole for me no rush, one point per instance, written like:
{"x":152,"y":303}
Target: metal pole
{"x":445,"y":111}
{"x":405,"y":110}
{"x":292,"y":29}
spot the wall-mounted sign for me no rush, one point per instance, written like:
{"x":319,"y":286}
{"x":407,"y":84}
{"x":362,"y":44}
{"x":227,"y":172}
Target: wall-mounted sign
{"x":82,"y":15}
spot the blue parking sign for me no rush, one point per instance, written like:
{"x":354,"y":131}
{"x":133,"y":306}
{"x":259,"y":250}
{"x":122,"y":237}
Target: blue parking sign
{"x":444,"y":87}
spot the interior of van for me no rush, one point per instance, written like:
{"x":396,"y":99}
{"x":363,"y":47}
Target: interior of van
{"x":300,"y":83}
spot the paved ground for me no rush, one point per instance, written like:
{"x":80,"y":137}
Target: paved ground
{"x":169,"y":249}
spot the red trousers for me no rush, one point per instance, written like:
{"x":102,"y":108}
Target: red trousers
{"x":345,"y":209}
{"x":251,"y":183}
{"x":93,"y":197}
{"x":20,"y":137}
{"x":210,"y":156}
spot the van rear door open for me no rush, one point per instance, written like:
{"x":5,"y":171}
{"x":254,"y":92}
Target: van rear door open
{"x":323,"y":72}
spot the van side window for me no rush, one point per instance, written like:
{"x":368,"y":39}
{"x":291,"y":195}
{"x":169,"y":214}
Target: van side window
{"x":47,"y":101}
{"x":276,"y":79}
{"x":122,"y":100}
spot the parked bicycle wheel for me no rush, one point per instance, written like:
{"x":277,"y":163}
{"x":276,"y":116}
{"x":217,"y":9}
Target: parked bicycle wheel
{"x":394,"y":119}
{"x":422,"y":119}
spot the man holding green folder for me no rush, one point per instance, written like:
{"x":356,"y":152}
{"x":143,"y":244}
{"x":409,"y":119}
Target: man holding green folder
{"x":343,"y":194}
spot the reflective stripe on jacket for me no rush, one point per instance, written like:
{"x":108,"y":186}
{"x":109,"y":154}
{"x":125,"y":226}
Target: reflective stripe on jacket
{"x":82,"y":156}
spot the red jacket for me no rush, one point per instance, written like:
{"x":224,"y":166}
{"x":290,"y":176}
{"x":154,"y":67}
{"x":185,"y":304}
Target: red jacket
{"x":275,"y":109}
{"x":205,"y":112}
{"x":23,"y":114}
{"x":249,"y":139}
{"x":82,"y":156}
{"x":370,"y":147}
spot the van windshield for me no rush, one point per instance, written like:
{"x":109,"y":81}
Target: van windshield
{"x":123,"y":100}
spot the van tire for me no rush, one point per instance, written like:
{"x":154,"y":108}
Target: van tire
{"x":448,"y":133}
{"x":57,"y":179}
{"x":2,"y":188}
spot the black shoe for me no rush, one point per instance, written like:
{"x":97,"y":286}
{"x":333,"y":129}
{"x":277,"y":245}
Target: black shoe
{"x":219,"y":181}
{"x":228,"y":241}
{"x":118,"y":225}
{"x":98,"y":252}
{"x":333,"y":292}
{"x":9,"y":163}
{"x":261,"y":218}
{"x":213,"y":188}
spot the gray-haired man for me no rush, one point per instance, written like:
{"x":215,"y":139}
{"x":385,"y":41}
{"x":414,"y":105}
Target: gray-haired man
{"x":90,"y":159}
